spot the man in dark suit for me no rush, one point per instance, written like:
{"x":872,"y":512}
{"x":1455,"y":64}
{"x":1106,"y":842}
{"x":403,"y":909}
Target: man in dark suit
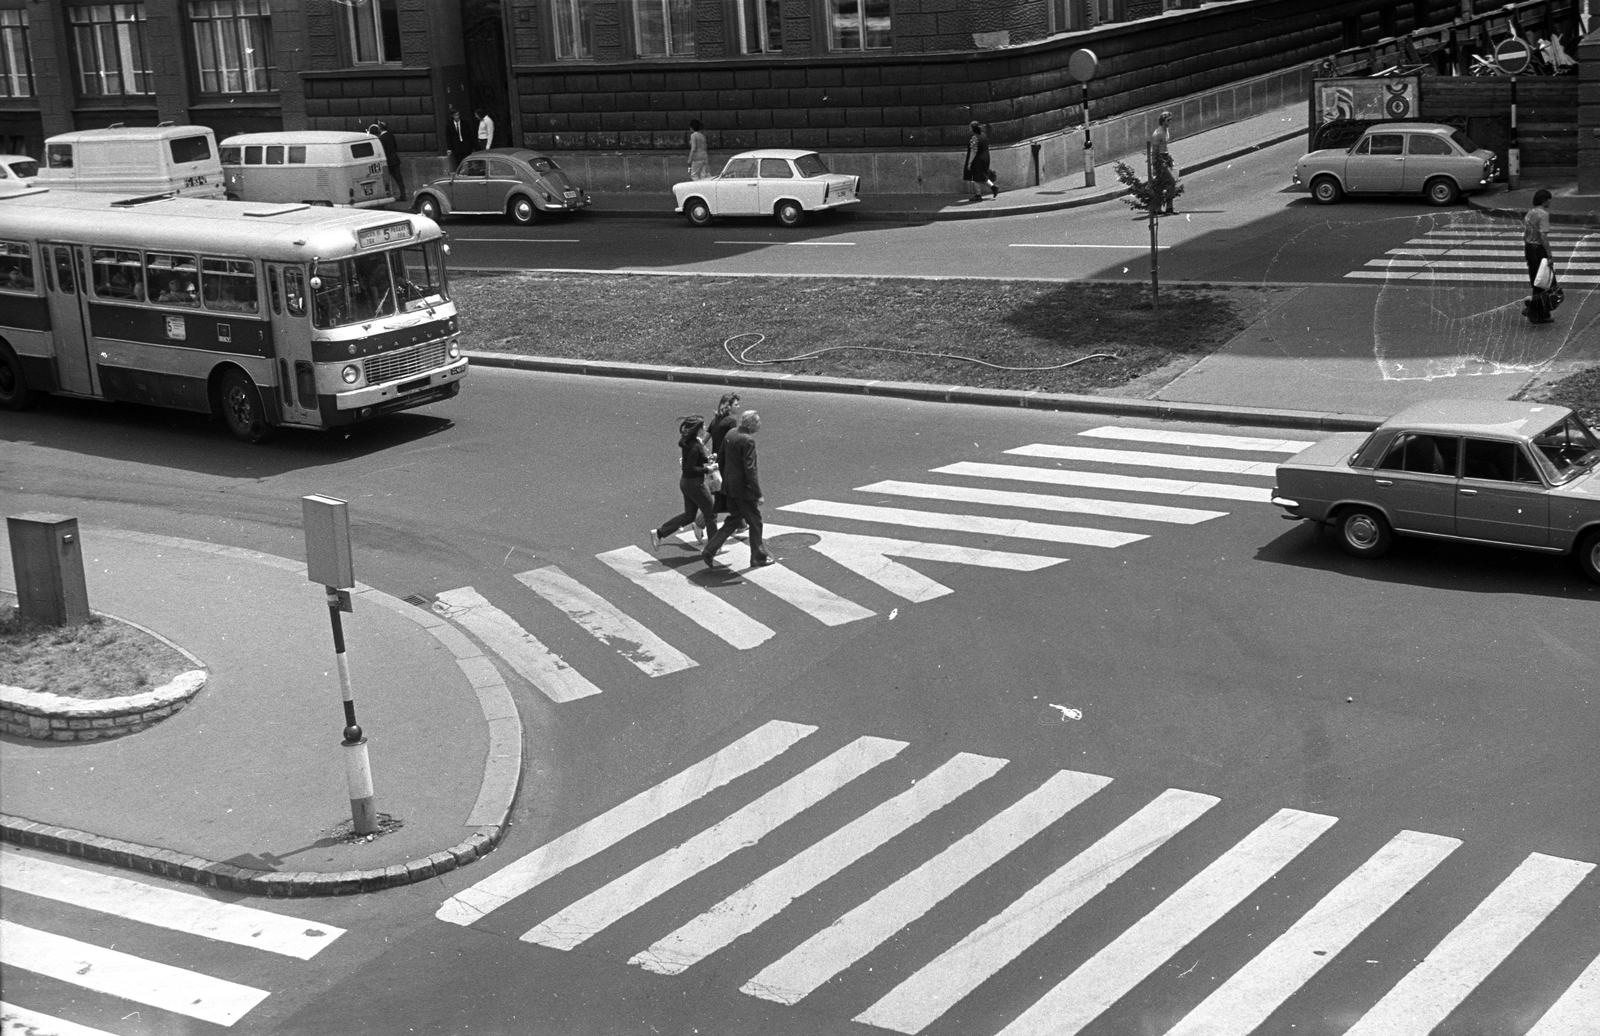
{"x":741,"y":484}
{"x":458,"y":144}
{"x":391,"y":153}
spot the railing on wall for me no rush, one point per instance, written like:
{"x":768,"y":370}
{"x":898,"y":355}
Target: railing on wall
{"x":1451,"y":49}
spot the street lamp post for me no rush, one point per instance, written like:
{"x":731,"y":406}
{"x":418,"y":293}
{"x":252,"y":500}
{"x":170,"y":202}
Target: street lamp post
{"x":1082,"y":64}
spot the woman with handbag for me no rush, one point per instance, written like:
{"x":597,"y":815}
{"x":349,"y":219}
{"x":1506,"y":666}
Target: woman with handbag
{"x":698,"y":469}
{"x":1541,"y":264}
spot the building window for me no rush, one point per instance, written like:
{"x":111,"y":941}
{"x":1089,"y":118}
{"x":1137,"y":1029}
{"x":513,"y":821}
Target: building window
{"x":664,"y":28}
{"x":16,"y":60}
{"x":109,"y":40}
{"x":574,"y":24}
{"x":858,"y":24}
{"x":233,"y":45}
{"x":761,"y":26}
{"x":372,"y":30}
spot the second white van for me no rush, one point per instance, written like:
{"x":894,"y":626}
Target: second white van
{"x":138,"y":160}
{"x":319,"y":167}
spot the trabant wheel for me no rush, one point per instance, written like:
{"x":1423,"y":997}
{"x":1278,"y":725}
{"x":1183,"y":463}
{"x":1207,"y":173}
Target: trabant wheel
{"x":790,"y":214}
{"x":697,"y":212}
{"x":1326,"y":190}
{"x":1441,"y":190}
{"x":523,"y":211}
{"x":14,"y":391}
{"x":1589,"y":554}
{"x":1363,"y":533}
{"x":241,"y":407}
{"x":426,"y":206}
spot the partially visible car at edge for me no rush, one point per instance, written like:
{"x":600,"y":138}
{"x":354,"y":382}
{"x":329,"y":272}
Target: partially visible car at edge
{"x":18,"y":170}
{"x":1509,"y":474}
{"x":1437,"y":161}
{"x":505,"y":181}
{"x":779,"y":182}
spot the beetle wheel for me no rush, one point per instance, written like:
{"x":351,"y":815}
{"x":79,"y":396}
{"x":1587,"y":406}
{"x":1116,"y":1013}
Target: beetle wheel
{"x":241,"y":407}
{"x":426,"y":206}
{"x":523,"y":211}
{"x":1363,"y":533}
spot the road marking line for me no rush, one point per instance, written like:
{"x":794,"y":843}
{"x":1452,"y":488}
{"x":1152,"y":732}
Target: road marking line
{"x":1471,"y":264}
{"x":1475,"y":278}
{"x":165,"y":908}
{"x":1138,"y":458}
{"x":672,"y":587}
{"x":868,"y":557}
{"x":1474,"y":948}
{"x":763,"y":899}
{"x":606,"y":622}
{"x":1574,"y":1013}
{"x":123,"y":975}
{"x":922,"y":998}
{"x":617,"y":899}
{"x":754,"y":750}
{"x":1134,"y":955}
{"x":1482,"y":253}
{"x":790,"y":978}
{"x":1496,"y":234}
{"x":1124,"y":248}
{"x":814,"y":244}
{"x":1101,"y":480}
{"x":523,"y":651}
{"x":1044,"y":502}
{"x":1016,"y":528}
{"x":1207,"y":440}
{"x":1253,"y":992}
{"x":793,"y":588}
{"x":522,"y":240}
{"x":19,"y":1021}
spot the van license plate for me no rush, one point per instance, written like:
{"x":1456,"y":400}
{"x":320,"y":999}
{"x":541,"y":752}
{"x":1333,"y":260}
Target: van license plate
{"x":412,"y":386}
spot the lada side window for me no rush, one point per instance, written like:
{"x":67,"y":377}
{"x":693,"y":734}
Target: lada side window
{"x":1425,"y":454}
{"x":172,"y":280}
{"x":776,"y":169}
{"x":739,"y":168}
{"x":1388,"y":143}
{"x":1497,"y":462}
{"x":229,"y":285}
{"x":1428,"y":144}
{"x":118,"y":274}
{"x":16,"y":266}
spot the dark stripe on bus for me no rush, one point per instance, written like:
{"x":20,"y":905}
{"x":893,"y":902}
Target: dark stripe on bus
{"x":28,"y":312}
{"x":327,"y":352}
{"x":169,"y":390}
{"x":248,"y":336}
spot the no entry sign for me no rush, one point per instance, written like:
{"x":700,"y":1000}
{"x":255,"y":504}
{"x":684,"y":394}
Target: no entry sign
{"x":1512,"y":56}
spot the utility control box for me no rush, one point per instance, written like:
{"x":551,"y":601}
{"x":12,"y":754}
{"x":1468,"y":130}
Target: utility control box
{"x":47,"y":559}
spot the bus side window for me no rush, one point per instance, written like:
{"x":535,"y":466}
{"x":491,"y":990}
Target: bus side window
{"x":16,"y":267}
{"x":297,"y":154}
{"x":64,"y":271}
{"x":172,"y":280}
{"x":275,"y":155}
{"x":294,"y":291}
{"x":252,"y":154}
{"x":117,"y":274}
{"x":229,"y":285}
{"x":276,"y":289}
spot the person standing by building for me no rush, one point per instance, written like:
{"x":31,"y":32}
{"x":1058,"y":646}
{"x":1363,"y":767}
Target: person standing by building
{"x":391,"y":154}
{"x":695,"y":465}
{"x":1163,"y":178}
{"x":1536,"y":249}
{"x":699,"y":157}
{"x":485,"y":130}
{"x":458,"y":145}
{"x":977,"y":168}
{"x":741,"y":482}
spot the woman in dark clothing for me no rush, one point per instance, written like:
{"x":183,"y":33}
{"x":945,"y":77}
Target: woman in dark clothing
{"x":722,"y":422}
{"x":977,"y":168}
{"x":696,"y":464}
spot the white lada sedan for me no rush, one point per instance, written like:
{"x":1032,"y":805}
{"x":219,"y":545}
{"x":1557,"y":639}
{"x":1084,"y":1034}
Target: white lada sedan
{"x":771,"y":182}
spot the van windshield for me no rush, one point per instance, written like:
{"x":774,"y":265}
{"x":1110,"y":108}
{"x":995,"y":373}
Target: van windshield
{"x":368,"y":287}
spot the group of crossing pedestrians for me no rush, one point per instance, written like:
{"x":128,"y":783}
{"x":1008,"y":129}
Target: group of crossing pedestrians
{"x":718,"y":473}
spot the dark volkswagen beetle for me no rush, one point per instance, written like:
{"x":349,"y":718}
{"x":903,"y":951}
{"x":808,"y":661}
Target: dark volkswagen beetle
{"x":505,"y":181}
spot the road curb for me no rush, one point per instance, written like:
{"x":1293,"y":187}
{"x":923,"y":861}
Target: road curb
{"x":1112,"y":405}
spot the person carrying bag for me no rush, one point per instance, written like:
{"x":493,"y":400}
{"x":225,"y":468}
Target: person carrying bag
{"x":1547,"y":294}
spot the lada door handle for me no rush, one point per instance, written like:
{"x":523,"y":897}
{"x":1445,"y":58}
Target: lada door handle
{"x":1469,"y":492}
{"x":1385,"y":481}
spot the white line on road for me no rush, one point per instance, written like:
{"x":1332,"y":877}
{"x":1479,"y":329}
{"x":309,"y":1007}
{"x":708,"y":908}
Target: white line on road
{"x":1471,"y":264}
{"x":790,"y":978}
{"x":794,"y":244}
{"x":606,"y":622}
{"x":1137,"y":458}
{"x":1206,"y":440}
{"x":1483,"y":253}
{"x":672,"y":587}
{"x":793,"y":588}
{"x":19,"y":1021}
{"x":123,"y":975}
{"x":1462,"y":277}
{"x":523,"y":651}
{"x":1044,"y":502}
{"x":166,"y":908}
{"x":767,"y":896}
{"x":755,"y":749}
{"x":1017,"y":528}
{"x":1474,"y":948}
{"x":1124,"y":248}
{"x":522,"y":240}
{"x":1253,"y":992}
{"x":1134,"y":955}
{"x":617,"y":899}
{"x":914,"y":1004}
{"x":1102,"y":480}
{"x":1574,"y":1013}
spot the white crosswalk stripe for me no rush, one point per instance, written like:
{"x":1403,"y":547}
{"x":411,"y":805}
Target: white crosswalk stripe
{"x":609,"y":625}
{"x":673,"y":588}
{"x":1483,"y":255}
{"x":521,"y":650}
{"x":869,"y":557}
{"x":1044,"y":502}
{"x":1575,"y":1012}
{"x":19,"y":1021}
{"x":1205,"y":440}
{"x":1016,"y":528}
{"x":1140,"y":458}
{"x":1103,"y":480}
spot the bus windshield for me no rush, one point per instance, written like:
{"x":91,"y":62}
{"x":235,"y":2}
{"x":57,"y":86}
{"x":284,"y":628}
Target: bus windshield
{"x":367,"y":287}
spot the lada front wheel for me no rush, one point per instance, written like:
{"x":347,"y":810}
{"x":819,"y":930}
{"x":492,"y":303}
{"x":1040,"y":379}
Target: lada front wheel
{"x":1441,"y":190}
{"x":1589,"y":555}
{"x":241,"y":407}
{"x":1363,"y":533}
{"x":1326,"y":190}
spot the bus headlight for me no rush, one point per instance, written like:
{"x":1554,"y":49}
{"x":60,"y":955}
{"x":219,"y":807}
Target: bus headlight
{"x":455,"y":348}
{"x":351,"y":373}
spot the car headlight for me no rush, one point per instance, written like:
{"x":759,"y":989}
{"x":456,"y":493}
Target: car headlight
{"x":351,"y":373}
{"x":455,"y":348}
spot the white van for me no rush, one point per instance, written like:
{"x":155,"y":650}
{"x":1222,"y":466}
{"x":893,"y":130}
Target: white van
{"x":135,"y":159}
{"x":320,"y":167}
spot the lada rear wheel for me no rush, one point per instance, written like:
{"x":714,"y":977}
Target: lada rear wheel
{"x":241,"y":407}
{"x":1363,"y":533}
{"x":790,"y":214}
{"x":523,"y":211}
{"x":1326,"y":190}
{"x":426,"y":206}
{"x":1589,"y":554}
{"x":14,"y":391}
{"x":1441,"y":190}
{"x":697,"y":212}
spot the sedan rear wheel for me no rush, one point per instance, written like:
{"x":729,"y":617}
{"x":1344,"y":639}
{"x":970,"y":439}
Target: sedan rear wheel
{"x":697,"y":212}
{"x":790,"y":214}
{"x":426,"y":206}
{"x":1363,"y":533}
{"x":523,"y":210}
{"x":1589,"y":555}
{"x":1326,"y":190}
{"x":1441,"y":190}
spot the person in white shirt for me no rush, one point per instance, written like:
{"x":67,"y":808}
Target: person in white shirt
{"x":485,"y":131}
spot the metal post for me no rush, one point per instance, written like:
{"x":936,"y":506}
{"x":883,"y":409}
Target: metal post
{"x":1514,"y":152}
{"x":1156,"y":203}
{"x":357,"y":766}
{"x":1088,"y":142}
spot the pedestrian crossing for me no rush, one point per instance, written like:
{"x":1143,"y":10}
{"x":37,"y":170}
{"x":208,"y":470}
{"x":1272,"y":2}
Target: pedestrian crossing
{"x":122,"y":978}
{"x":1484,"y":254}
{"x":1004,"y":514}
{"x":883,"y":917}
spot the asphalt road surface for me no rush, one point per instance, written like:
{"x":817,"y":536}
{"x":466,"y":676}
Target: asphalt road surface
{"x":1044,"y":723}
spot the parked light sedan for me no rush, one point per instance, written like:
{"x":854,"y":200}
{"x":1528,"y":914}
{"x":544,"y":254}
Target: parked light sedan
{"x":505,"y":181}
{"x":18,"y":170}
{"x":1511,"y":474}
{"x":1439,"y":162}
{"x":771,"y":182}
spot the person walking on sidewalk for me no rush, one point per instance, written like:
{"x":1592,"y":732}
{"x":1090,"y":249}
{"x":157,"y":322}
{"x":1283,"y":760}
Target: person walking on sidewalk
{"x":1163,"y":176}
{"x":457,"y":145}
{"x":695,"y":466}
{"x":485,"y":130}
{"x":1536,"y":249}
{"x":742,"y":484}
{"x":699,"y":157}
{"x":977,"y":168}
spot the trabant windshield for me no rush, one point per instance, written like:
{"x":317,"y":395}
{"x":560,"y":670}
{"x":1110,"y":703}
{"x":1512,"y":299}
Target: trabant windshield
{"x":379,"y":284}
{"x":811,"y":165}
{"x":1570,"y":447}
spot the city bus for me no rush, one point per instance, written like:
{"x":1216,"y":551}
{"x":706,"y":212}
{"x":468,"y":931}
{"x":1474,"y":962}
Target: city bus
{"x":268,"y":315}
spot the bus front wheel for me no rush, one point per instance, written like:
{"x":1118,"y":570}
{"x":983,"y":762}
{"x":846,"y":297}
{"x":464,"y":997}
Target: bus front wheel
{"x":241,"y":407}
{"x":14,"y":391}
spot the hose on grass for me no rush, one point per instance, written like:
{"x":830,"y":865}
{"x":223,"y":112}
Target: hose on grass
{"x":742,"y":357}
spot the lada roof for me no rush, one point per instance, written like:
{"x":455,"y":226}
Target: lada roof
{"x":298,"y":137}
{"x":1478,"y":417}
{"x":1411,"y":127}
{"x":267,"y":230}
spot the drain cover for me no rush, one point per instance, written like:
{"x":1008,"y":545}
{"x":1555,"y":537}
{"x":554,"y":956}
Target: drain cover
{"x":416,"y":599}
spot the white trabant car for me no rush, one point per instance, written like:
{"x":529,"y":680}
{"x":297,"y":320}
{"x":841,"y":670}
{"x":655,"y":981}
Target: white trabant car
{"x":771,"y":182}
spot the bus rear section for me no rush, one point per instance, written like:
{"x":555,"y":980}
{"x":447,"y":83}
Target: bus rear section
{"x":318,"y":167}
{"x":134,"y":160}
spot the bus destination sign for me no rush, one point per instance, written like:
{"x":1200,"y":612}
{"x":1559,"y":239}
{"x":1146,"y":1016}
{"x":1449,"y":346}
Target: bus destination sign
{"x":386,"y":234}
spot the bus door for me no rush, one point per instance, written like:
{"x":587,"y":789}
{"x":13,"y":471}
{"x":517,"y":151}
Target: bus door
{"x":291,"y":345}
{"x":69,"y":318}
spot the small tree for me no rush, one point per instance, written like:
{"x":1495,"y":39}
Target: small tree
{"x":1151,"y":195}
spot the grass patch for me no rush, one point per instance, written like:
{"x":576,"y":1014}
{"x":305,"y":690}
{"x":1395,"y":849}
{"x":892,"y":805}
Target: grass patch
{"x":684,"y":321}
{"x":101,"y":658}
{"x":1580,"y":391}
